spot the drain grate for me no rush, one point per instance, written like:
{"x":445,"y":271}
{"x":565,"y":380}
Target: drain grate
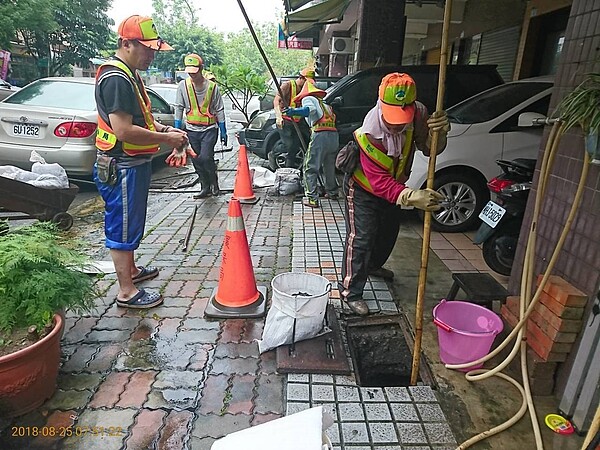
{"x":380,"y":351}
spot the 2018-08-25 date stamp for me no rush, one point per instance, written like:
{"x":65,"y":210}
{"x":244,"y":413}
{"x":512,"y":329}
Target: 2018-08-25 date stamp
{"x":67,"y":431}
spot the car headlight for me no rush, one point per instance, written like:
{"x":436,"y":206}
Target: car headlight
{"x":259,"y":121}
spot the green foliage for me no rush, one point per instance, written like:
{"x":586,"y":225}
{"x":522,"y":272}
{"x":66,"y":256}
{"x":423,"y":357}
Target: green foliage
{"x":241,"y":50}
{"x":26,"y":14}
{"x":40,"y":275}
{"x":61,"y":33}
{"x":240,"y":85}
{"x":581,"y":106}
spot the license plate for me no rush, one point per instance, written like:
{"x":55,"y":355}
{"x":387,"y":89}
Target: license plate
{"x":25,"y":130}
{"x":492,"y":213}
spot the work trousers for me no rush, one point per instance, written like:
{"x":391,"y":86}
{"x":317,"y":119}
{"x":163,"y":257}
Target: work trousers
{"x":320,"y":158}
{"x":372,"y":226}
{"x":291,"y":141}
{"x":203,"y":143}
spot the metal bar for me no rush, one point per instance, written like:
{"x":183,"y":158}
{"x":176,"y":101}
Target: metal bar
{"x":186,"y":241}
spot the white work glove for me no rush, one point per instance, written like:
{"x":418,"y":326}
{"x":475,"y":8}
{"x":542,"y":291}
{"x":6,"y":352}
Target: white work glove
{"x":438,"y":121}
{"x":425,"y":199}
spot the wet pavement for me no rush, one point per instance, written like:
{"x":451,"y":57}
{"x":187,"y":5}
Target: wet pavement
{"x":167,"y":378}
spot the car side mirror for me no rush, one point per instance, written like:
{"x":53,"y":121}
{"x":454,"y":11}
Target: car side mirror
{"x":337,"y":102}
{"x":531,"y":119}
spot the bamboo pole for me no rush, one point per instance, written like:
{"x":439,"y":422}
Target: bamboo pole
{"x":414,"y":375}
{"x":594,"y":428}
{"x":268,"y":64}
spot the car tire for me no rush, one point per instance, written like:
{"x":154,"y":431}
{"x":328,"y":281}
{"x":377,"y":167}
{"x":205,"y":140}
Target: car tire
{"x":467,"y":195}
{"x":278,"y":154}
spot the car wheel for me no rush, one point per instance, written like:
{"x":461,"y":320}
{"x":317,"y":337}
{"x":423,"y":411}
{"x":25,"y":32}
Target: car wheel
{"x":278,"y":155}
{"x":466,"y":196}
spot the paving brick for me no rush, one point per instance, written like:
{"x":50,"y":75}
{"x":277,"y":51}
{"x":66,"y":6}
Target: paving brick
{"x":213,"y":394}
{"x":168,"y":328}
{"x":79,"y":381}
{"x":269,"y":398}
{"x":198,"y":306}
{"x":241,"y":350}
{"x":232,"y":331}
{"x":136,"y":389}
{"x":201,"y":443}
{"x":144,"y":432}
{"x":80,"y":330}
{"x":173,"y":434}
{"x":200,"y":357}
{"x":116,"y":420}
{"x":139,"y":355}
{"x":197,"y":323}
{"x":104,"y":358}
{"x":230,"y":366}
{"x":145,"y":329}
{"x":65,"y":400}
{"x":57,"y":422}
{"x":216,"y":425}
{"x":560,"y":310}
{"x":197,"y":337}
{"x":179,"y":379}
{"x":259,"y":419}
{"x":117,"y":323}
{"x":173,"y":288}
{"x":241,"y":394}
{"x":110,"y":390}
{"x":558,"y":323}
{"x":111,"y":336}
{"x":78,"y":360}
{"x":268,"y":362}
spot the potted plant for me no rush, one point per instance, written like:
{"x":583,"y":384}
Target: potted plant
{"x":581,"y":107}
{"x":40,"y":278}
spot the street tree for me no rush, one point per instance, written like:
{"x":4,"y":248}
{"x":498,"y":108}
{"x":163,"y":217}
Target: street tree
{"x":20,"y":14}
{"x":79,"y":30}
{"x":240,"y":84}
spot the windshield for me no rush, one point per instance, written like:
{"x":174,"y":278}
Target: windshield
{"x":490,"y":104}
{"x":56,"y":94}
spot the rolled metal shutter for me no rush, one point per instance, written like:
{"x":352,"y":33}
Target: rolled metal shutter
{"x":500,"y":48}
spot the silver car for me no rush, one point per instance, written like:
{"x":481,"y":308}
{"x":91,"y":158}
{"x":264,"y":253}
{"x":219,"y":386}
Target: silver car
{"x":57,"y":118}
{"x":7,"y":89}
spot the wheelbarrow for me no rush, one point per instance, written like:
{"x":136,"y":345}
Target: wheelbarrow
{"x":38,"y":203}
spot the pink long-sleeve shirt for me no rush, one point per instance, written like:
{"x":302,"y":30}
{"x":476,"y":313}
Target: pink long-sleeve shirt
{"x":385,"y":185}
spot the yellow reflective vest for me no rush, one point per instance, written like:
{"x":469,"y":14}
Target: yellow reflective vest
{"x":106,"y":138}
{"x":327,"y":121}
{"x":200,"y":115}
{"x":380,"y":158}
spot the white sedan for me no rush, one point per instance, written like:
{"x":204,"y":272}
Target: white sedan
{"x":495,"y":124}
{"x":57,"y":118}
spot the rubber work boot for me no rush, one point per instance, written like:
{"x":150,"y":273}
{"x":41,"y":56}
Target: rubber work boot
{"x":382,"y":273}
{"x":310,"y":202}
{"x":205,"y":191}
{"x":214,"y":187}
{"x":358,"y":307}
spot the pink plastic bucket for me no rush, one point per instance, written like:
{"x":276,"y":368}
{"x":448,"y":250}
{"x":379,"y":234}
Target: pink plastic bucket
{"x":466,"y":331}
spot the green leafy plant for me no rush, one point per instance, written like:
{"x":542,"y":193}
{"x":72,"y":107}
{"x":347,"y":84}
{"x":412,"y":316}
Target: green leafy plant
{"x":40,"y":275}
{"x":581,"y":105}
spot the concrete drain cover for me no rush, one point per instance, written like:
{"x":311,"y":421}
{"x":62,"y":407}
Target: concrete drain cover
{"x":380,"y":351}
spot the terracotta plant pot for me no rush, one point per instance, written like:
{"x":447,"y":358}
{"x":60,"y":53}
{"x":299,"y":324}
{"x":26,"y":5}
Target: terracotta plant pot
{"x":28,"y":377}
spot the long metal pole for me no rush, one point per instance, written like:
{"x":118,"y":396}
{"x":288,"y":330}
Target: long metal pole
{"x":273,"y":76}
{"x":414,"y":375}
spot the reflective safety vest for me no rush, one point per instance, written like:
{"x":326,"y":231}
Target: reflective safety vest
{"x":327,"y":121}
{"x":380,"y":158}
{"x":200,"y":115}
{"x":106,"y":138}
{"x":293,"y":104}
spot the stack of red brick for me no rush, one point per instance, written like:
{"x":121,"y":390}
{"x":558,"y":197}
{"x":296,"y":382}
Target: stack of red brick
{"x":552,"y":328}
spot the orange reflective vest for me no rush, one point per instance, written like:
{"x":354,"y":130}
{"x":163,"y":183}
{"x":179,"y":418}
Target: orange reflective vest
{"x":105,"y":136}
{"x":200,"y":115}
{"x":380,"y":158}
{"x":327,"y":121}
{"x":293,"y":104}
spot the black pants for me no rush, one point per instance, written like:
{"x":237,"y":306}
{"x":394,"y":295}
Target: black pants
{"x":291,"y":141}
{"x":372,"y":226}
{"x":203,"y":143}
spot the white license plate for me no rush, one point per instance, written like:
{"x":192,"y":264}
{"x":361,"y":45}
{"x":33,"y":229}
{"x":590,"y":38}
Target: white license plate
{"x":492,"y":213}
{"x":25,"y":130}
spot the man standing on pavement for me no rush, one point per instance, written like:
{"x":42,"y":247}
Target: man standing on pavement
{"x":323,"y":145}
{"x":287,"y":130}
{"x":204,"y":108}
{"x":127,"y":137}
{"x":386,"y":143}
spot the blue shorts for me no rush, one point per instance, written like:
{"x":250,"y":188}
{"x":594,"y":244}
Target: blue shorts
{"x":125,"y":206}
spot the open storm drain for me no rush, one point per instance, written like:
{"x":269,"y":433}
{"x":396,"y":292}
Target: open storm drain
{"x":380,"y":351}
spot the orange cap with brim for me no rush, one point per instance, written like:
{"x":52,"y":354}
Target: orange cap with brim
{"x":142,"y":29}
{"x":192,"y":63}
{"x":397,"y":95}
{"x":309,"y":89}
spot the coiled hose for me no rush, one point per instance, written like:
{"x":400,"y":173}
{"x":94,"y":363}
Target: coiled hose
{"x":527,"y":302}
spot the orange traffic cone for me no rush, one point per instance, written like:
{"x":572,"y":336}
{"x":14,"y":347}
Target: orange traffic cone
{"x":243,"y":182}
{"x":236,"y":294}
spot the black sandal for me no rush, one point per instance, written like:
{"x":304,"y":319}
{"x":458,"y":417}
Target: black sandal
{"x":142,"y":300}
{"x":146,"y":273}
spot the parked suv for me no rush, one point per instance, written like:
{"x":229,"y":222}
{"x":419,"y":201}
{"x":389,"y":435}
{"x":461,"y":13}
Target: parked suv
{"x":354,"y":95}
